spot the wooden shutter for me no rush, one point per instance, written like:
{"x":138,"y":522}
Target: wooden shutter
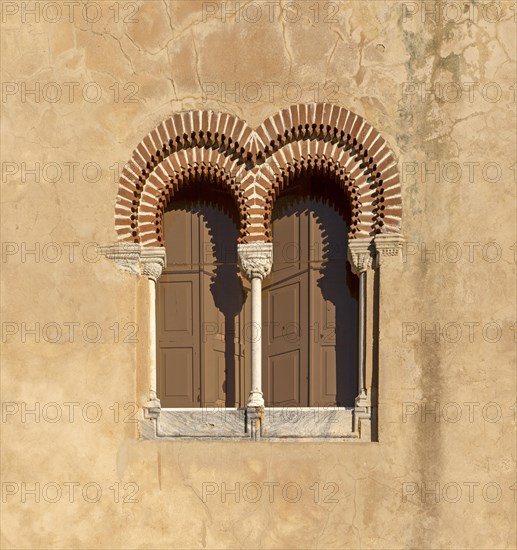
{"x":285,"y":315}
{"x":333,"y":311}
{"x":309,"y":309}
{"x":200,"y":310}
{"x":178,"y":314}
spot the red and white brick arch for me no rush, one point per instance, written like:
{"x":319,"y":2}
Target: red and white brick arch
{"x":254,"y":166}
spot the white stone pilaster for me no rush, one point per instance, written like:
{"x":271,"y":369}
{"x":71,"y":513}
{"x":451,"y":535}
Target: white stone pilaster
{"x":152,"y":263}
{"x":361,"y":258}
{"x":139,"y":260}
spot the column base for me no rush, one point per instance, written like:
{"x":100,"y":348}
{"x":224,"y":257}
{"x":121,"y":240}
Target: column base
{"x":255,"y":422}
{"x":153,"y":407}
{"x":362,"y":416}
{"x":256,"y":399}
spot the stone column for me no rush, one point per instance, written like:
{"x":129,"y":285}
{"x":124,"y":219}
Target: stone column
{"x":256,"y":260}
{"x":152,"y":263}
{"x":360,"y":256}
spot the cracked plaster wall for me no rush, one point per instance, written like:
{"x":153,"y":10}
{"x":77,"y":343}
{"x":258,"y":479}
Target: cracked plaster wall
{"x":361,"y":62}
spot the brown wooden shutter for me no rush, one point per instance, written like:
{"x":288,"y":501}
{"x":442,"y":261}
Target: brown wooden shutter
{"x":200,"y":310}
{"x":285,"y":315}
{"x":178,"y":314}
{"x":310,"y":287}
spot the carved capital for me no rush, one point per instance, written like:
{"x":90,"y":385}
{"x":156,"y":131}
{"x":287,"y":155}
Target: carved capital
{"x":388,"y":244}
{"x":360,"y":254}
{"x":152,"y":262}
{"x":125,"y":255}
{"x":255,"y":259}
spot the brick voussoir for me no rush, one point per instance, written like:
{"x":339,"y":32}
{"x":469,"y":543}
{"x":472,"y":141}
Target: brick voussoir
{"x":259,"y":184}
{"x":122,"y":210}
{"x":161,"y":135}
{"x":149,"y":144}
{"x":294,"y":116}
{"x":256,"y":237}
{"x":143,"y":152}
{"x":389,"y":171}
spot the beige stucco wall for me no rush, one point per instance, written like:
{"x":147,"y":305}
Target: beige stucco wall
{"x":357,"y":54}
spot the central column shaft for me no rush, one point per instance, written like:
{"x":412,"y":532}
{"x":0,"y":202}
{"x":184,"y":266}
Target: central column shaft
{"x":256,"y":397}
{"x":256,"y":260}
{"x":152,"y":338}
{"x":362,"y":335}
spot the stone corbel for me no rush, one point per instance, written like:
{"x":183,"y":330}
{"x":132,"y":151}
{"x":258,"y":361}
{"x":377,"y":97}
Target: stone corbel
{"x":255,"y":259}
{"x":360,"y":254}
{"x":387,"y":245}
{"x":135,"y":259}
{"x":125,"y":255}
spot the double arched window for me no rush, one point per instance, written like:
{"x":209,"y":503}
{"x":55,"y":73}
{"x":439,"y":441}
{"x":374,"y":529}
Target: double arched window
{"x":257,"y":245}
{"x":309,"y":306}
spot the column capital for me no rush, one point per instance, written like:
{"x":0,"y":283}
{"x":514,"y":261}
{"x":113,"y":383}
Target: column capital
{"x":255,"y":259}
{"x":152,"y":262}
{"x":360,"y":254}
{"x":388,"y":244}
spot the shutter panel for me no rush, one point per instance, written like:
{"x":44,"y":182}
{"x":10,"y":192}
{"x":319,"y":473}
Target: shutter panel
{"x":334,"y":312}
{"x":285,"y":315}
{"x":178,"y":319}
{"x":311,"y":288}
{"x":199,"y":310}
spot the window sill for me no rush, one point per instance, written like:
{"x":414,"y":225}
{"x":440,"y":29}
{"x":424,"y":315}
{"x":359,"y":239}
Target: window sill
{"x":335,"y":423}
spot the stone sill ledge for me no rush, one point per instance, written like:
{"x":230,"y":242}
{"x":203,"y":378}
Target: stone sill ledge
{"x":278,"y":424}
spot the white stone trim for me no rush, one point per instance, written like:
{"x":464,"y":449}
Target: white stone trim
{"x":286,"y":423}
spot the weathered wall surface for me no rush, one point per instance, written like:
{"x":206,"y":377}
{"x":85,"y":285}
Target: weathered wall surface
{"x":78,"y":94}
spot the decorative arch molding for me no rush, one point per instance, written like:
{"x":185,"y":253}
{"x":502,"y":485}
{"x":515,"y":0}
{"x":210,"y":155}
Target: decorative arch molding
{"x":177,"y":171}
{"x":254,"y":166}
